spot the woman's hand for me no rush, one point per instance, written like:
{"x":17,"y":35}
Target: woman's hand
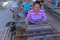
{"x":37,"y":23}
{"x":40,"y":22}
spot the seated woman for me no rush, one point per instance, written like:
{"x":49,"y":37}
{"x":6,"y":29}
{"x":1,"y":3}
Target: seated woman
{"x":36,"y":15}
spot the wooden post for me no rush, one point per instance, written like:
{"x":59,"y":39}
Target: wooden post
{"x":6,"y":34}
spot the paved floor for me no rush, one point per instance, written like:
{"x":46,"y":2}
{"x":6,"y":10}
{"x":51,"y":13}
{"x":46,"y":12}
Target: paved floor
{"x":54,"y":21}
{"x":5,"y":16}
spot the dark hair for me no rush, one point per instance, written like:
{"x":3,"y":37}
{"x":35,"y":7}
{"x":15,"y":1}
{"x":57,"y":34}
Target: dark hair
{"x":37,"y":2}
{"x":42,"y":1}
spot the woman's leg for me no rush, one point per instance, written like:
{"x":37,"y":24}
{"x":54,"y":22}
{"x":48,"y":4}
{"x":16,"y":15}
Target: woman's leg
{"x":30,"y":23}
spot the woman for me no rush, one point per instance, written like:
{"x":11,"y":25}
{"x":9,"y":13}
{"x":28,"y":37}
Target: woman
{"x":36,"y":15}
{"x":26,"y":6}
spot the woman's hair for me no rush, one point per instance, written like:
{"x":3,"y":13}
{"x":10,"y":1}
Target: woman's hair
{"x":37,"y":2}
{"x":42,"y":1}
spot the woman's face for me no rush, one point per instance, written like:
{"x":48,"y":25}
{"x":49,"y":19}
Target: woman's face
{"x":36,"y":7}
{"x":27,"y":0}
{"x":39,"y":0}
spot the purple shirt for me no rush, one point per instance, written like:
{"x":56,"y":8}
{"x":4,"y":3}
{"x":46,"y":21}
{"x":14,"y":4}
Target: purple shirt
{"x":35,"y":17}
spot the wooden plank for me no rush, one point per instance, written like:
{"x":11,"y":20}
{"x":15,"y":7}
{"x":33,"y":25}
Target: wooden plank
{"x":57,"y":10}
{"x":46,"y":34}
{"x":6,"y":34}
{"x":38,"y":26}
{"x":30,"y":27}
{"x":39,"y":34}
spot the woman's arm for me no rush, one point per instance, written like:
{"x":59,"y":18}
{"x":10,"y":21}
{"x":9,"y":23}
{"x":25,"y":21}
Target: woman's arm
{"x":44,"y":18}
{"x":28,"y":18}
{"x":40,"y":22}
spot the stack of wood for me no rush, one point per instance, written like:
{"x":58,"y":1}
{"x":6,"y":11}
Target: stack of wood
{"x":19,"y":32}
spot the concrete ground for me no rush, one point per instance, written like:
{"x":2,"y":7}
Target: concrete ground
{"x":5,"y":16}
